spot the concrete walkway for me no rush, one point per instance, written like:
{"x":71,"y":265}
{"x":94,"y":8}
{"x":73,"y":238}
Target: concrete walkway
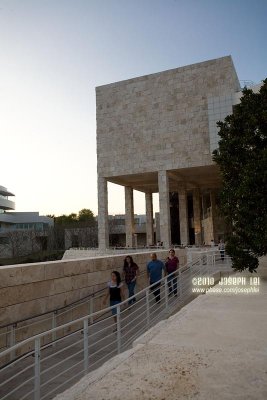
{"x":214,"y":348}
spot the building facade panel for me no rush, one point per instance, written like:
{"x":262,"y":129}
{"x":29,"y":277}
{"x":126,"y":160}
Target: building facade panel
{"x":160,"y":121}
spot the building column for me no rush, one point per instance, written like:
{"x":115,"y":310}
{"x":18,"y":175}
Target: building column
{"x":183,"y":216}
{"x":149,"y":220}
{"x":213,"y":214}
{"x":164,"y":208}
{"x":129,"y":217}
{"x":197,"y":216}
{"x":103,"y":229}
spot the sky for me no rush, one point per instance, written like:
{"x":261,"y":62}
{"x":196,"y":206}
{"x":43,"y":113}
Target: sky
{"x":53,"y":53}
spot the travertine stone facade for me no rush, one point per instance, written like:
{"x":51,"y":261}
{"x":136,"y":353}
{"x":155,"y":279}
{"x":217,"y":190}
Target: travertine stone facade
{"x":146,"y":122}
{"x":183,"y":214}
{"x":103,"y":231}
{"x":197,"y":216}
{"x":129,"y":216}
{"x":163,"y":182}
{"x":163,"y":122}
{"x":149,"y":219}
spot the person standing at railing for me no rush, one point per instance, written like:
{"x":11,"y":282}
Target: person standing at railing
{"x":172,"y":265}
{"x":115,"y":293}
{"x":154,"y":273}
{"x":130,"y":273}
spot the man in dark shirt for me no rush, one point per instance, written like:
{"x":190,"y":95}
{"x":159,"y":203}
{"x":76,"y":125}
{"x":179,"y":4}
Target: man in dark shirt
{"x":172,"y":265}
{"x":154,"y":273}
{"x":130,"y":272}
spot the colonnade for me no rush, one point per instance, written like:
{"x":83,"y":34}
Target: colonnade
{"x":164,"y":210}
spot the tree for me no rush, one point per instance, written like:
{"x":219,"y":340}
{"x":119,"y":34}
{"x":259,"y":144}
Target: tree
{"x":80,"y":228}
{"x":66,"y":219}
{"x":86,"y":215}
{"x":242,"y":158}
{"x":20,"y":242}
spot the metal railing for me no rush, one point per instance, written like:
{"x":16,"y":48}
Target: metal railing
{"x":59,"y":357}
{"x":18,"y":330}
{"x":51,"y":319}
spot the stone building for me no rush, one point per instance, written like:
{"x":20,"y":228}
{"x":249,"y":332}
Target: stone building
{"x":156,"y":133}
{"x":117,"y":230}
{"x":87,"y":236}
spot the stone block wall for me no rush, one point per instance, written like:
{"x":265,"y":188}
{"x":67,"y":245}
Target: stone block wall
{"x":160,"y":121}
{"x":31,"y":289}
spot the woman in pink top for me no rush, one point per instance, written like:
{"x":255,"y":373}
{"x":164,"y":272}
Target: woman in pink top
{"x":172,"y":265}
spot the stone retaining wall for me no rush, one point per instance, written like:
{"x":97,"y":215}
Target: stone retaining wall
{"x":31,"y":289}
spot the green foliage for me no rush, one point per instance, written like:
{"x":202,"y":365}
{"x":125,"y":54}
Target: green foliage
{"x":242,"y":158}
{"x":84,"y":217}
{"x":66,"y":219}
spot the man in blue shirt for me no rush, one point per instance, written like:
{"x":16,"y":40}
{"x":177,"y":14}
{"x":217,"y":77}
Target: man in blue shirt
{"x":154,"y":274}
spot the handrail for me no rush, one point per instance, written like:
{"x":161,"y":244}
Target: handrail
{"x":51,"y":311}
{"x":81,"y":319}
{"x":15,"y":333}
{"x":80,"y":301}
{"x":69,"y":306}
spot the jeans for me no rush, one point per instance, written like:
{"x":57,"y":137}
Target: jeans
{"x":172,"y":283}
{"x":156,"y":290}
{"x":113,"y":303}
{"x":131,"y":287}
{"x":222,"y":254}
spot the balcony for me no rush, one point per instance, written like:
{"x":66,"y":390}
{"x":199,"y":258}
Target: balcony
{"x":6,"y":204}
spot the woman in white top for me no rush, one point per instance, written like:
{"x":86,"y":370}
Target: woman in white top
{"x":115,"y":292}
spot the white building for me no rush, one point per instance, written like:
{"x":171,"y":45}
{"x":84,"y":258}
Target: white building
{"x":20,"y":232}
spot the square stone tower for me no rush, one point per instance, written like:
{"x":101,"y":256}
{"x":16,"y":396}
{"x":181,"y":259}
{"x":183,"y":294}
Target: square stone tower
{"x":156,"y":133}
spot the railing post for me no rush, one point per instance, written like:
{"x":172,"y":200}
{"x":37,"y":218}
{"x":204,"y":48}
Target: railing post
{"x":91,"y":309}
{"x":205,"y":255}
{"x":37,"y":356}
{"x":147,"y":309}
{"x":190,"y":271}
{"x":54,"y":325}
{"x":180,"y":285}
{"x":118,"y":307}
{"x":166,"y":292}
{"x":12,"y":340}
{"x":85,"y":346}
